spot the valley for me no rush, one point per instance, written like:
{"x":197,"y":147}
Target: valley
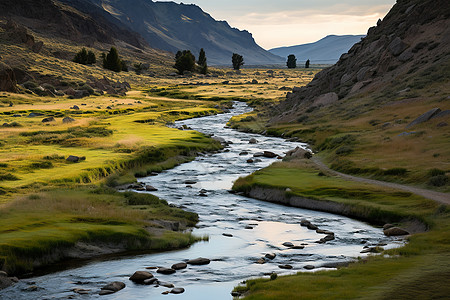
{"x":327,"y":182}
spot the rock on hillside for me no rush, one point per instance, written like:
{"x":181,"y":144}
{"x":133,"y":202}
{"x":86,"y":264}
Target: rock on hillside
{"x":408,"y":50}
{"x":172,"y":27}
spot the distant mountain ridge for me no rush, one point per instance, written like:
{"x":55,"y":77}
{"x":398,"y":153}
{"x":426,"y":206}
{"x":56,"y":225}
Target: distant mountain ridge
{"x":172,"y":27}
{"x":326,"y":50}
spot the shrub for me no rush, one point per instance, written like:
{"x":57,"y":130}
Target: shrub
{"x":438,"y":181}
{"x":8,"y":177}
{"x":42,"y":165}
{"x":273,"y":276}
{"x":435,"y":172}
{"x":395,"y":172}
{"x":344,"y":150}
{"x":142,"y":199}
{"x":85,"y":57}
{"x":112,"y":180}
{"x":31,"y":85}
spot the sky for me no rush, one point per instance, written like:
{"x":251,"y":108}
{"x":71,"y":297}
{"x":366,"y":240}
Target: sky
{"x":292,"y":22}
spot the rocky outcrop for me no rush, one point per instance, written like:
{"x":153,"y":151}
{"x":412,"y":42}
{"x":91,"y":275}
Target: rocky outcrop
{"x":8,"y":81}
{"x":409,"y":45}
{"x":19,"y":34}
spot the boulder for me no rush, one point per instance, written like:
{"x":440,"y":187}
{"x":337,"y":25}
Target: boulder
{"x":32,"y":115}
{"x":75,"y":107}
{"x":250,"y":161}
{"x":140,"y":276}
{"x":298,"y":153}
{"x":177,"y":291}
{"x":7,"y":79}
{"x":67,"y":120}
{"x":114,"y":286}
{"x":5,"y":282}
{"x":199,"y":261}
{"x":270,"y":256}
{"x":261,"y":261}
{"x":166,"y":284}
{"x":179,"y":266}
{"x":425,"y":117}
{"x":397,"y":46}
{"x":326,"y":99}
{"x":48,"y":120}
{"x":309,"y":267}
{"x":269,"y":154}
{"x":150,"y":188}
{"x":395,"y":231}
{"x":387,"y":226}
{"x":329,"y":238}
{"x":73,"y":158}
{"x":286,"y":267}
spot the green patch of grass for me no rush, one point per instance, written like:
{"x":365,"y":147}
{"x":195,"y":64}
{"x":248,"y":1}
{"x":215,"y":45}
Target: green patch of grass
{"x":34,"y":226}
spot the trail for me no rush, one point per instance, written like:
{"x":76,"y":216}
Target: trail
{"x":443,"y":198}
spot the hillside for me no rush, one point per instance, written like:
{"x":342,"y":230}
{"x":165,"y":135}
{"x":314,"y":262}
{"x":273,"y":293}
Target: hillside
{"x":325,"y":51}
{"x":172,"y":27}
{"x":384,"y":105}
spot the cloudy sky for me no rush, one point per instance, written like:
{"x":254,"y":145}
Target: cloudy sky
{"x":292,"y":22}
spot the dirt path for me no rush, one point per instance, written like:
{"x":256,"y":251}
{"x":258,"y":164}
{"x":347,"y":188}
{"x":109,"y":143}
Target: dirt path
{"x":432,"y":195}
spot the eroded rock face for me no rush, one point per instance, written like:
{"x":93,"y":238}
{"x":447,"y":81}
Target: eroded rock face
{"x":7,"y":79}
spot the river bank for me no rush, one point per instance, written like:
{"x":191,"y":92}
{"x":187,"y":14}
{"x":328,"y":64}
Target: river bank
{"x":409,"y":271}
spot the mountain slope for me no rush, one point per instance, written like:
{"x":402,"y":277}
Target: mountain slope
{"x":172,"y":27}
{"x":403,"y":56}
{"x":326,"y":50}
{"x":54,"y":17}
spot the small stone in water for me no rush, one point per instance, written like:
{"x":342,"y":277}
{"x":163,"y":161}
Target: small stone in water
{"x":288,"y":244}
{"x":227,"y":234}
{"x":287,"y":267}
{"x":309,"y":267}
{"x":177,"y":291}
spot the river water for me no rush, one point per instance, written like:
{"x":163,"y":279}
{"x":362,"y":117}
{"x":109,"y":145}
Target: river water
{"x":256,"y":227}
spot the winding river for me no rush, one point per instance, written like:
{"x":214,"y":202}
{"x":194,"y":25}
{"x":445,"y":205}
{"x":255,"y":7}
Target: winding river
{"x":256,"y":227}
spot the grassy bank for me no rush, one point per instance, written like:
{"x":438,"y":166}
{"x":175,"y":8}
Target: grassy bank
{"x":413,"y":271}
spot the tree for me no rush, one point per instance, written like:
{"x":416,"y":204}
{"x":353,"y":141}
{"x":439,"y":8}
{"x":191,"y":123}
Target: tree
{"x":84,"y":57}
{"x":112,"y":62}
{"x":237,"y":60}
{"x":291,"y":62}
{"x":91,"y":59}
{"x":203,"y":66}
{"x":307,"y":64}
{"x":185,"y":61}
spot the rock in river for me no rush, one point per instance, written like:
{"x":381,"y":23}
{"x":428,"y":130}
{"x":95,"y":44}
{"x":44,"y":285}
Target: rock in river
{"x":166,"y":271}
{"x":199,"y":261}
{"x":288,"y":244}
{"x":271,"y":255}
{"x":309,"y":267}
{"x":177,"y":291}
{"x":113,"y":287}
{"x":140,"y":276}
{"x":179,"y":266}
{"x":287,"y":267}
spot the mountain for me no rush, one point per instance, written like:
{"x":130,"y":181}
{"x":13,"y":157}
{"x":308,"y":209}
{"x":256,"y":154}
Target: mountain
{"x":172,"y":27}
{"x":406,"y":56}
{"x":58,"y":19}
{"x":327,"y":50}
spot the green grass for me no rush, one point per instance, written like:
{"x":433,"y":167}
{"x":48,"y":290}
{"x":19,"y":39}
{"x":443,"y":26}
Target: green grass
{"x":40,"y":224}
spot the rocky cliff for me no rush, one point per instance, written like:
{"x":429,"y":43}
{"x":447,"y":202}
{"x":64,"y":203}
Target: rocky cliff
{"x":406,"y":52}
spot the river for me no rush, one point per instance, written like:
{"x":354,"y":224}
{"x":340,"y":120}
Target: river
{"x":256,"y":227}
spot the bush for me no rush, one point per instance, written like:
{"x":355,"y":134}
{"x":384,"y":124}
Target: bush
{"x":85,"y":57}
{"x":344,"y":150}
{"x":8,"y":177}
{"x":31,"y":85}
{"x":438,"y":181}
{"x":435,"y":172}
{"x":395,"y":172}
{"x":237,"y":60}
{"x":142,"y":199}
{"x":112,"y":180}
{"x":42,"y":165}
{"x":273,"y":276}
